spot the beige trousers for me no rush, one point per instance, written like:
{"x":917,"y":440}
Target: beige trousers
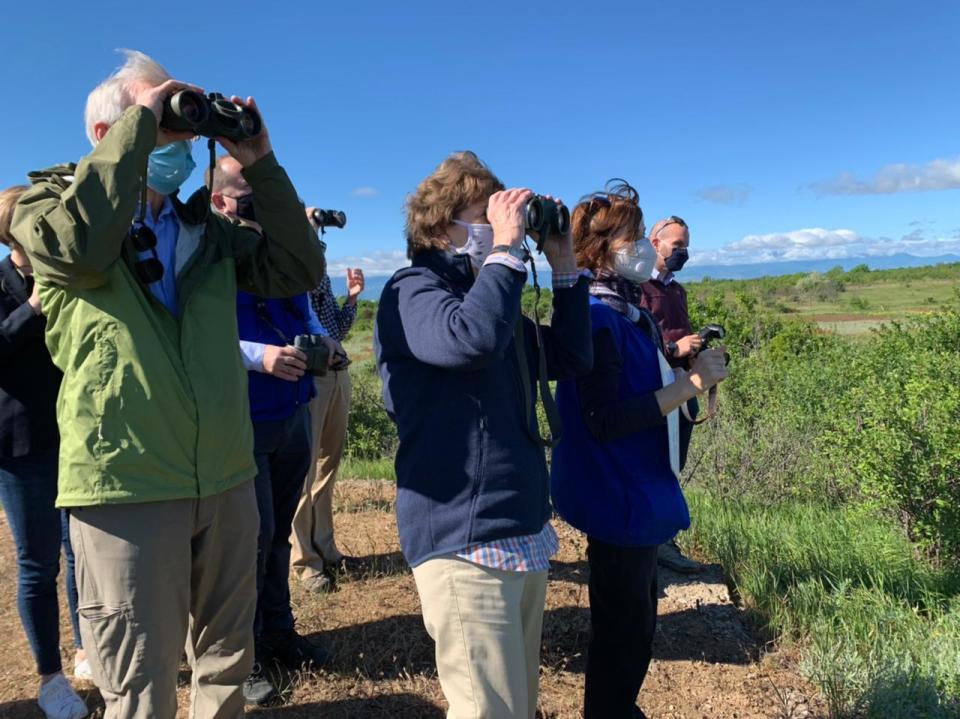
{"x":487,"y":625}
{"x":312,"y":542}
{"x":155,"y":576}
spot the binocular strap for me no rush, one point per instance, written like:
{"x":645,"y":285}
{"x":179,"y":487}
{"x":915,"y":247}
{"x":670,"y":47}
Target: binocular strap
{"x":549,"y":403}
{"x":712,"y":402}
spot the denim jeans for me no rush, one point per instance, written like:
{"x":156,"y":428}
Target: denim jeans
{"x":28,"y":491}
{"x":282,"y":452}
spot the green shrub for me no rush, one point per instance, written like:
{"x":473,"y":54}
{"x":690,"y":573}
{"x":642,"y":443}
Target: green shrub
{"x":371,"y":434}
{"x":895,"y":439}
{"x":878,"y":630}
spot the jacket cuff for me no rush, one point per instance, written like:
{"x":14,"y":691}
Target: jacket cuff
{"x":143,"y":123}
{"x":261,"y":168}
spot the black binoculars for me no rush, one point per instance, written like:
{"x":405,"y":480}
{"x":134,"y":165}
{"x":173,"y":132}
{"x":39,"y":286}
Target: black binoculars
{"x":329,"y":218}
{"x":318,"y":355}
{"x":543,"y":217}
{"x":210,"y":115}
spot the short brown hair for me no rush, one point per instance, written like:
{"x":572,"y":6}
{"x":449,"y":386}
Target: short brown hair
{"x":460,"y":180}
{"x":600,"y":218}
{"x":8,"y":201}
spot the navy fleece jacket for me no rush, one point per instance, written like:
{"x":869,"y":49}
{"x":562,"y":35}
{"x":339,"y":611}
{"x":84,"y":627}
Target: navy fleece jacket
{"x":468,"y":468}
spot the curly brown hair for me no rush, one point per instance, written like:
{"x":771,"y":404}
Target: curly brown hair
{"x":8,"y":201}
{"x":460,"y":181}
{"x":601,"y":217}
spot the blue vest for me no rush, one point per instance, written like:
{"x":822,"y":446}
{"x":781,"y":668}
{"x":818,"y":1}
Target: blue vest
{"x":623,"y":491}
{"x":271,"y":398}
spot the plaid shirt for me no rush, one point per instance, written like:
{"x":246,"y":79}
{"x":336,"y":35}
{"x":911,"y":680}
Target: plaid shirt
{"x":516,"y":554}
{"x":336,"y":320}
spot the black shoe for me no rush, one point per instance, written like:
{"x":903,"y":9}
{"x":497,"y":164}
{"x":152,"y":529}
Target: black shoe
{"x":294,"y":652}
{"x":258,"y":689}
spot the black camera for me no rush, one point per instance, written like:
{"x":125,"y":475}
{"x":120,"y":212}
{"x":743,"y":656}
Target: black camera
{"x":317,"y":352}
{"x":710,"y":333}
{"x":330,"y":218}
{"x":543,"y":217}
{"x":210,"y":115}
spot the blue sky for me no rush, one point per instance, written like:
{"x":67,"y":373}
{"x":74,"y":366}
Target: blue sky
{"x":778,"y":130}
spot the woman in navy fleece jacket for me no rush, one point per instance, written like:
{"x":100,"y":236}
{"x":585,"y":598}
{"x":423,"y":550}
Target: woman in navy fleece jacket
{"x":472,"y":486}
{"x":615,"y":471}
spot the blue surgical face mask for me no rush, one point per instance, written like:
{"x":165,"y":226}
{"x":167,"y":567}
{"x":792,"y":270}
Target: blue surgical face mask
{"x":169,"y":167}
{"x":479,"y":242}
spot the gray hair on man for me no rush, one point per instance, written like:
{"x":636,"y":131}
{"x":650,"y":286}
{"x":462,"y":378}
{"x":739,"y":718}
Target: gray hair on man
{"x":112,"y":96}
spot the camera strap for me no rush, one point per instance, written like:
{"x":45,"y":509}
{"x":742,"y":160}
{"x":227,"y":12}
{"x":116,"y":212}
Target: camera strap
{"x":546,"y":396}
{"x":264,"y":314}
{"x":713,"y":402}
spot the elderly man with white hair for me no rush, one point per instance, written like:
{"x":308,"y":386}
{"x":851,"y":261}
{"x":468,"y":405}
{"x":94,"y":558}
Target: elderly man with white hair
{"x":156,"y":453}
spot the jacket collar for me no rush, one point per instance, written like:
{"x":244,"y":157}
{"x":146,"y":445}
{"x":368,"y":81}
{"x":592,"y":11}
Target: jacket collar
{"x":452,"y":267}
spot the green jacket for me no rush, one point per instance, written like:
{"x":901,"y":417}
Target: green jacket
{"x":153,"y":407}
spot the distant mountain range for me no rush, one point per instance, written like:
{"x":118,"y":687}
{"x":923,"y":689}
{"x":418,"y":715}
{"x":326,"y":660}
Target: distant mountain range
{"x":725,"y":272}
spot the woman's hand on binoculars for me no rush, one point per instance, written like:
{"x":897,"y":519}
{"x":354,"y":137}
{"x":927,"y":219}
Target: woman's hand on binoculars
{"x":505,"y":212}
{"x":153,"y":97}
{"x":559,"y":248}
{"x":709,"y":368}
{"x":247,"y":152}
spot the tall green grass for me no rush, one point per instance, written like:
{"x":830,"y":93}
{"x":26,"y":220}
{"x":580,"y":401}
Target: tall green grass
{"x":878,"y":628}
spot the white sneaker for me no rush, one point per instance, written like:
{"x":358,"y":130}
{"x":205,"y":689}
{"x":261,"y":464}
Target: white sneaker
{"x":82,"y":671}
{"x":58,"y":700}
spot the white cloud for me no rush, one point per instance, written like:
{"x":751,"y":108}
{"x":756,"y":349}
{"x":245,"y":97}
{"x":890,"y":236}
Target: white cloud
{"x":376,"y":263}
{"x":725,"y":194}
{"x":900,"y":177}
{"x":366,"y":191}
{"x":818,"y":243}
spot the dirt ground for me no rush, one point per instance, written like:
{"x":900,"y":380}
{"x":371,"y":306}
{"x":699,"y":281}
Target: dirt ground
{"x":708,"y":664}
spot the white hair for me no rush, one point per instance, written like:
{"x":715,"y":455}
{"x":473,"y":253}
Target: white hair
{"x":111,"y":97}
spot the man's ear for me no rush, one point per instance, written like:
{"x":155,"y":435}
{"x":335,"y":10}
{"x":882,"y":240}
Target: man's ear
{"x":100,"y":129}
{"x":216,"y":199}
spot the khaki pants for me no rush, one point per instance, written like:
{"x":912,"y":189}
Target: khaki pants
{"x":487,"y":625}
{"x":312,"y":538}
{"x":155,"y":576}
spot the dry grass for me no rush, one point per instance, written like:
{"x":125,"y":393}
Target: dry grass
{"x":707,"y":663}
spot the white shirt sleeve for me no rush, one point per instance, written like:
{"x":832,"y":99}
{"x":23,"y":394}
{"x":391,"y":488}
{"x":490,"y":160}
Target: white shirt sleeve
{"x":252,"y":353}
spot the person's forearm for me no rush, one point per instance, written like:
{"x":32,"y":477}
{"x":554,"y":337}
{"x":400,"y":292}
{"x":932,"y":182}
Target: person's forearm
{"x":18,"y":327}
{"x":675,"y":394}
{"x":287,"y":259}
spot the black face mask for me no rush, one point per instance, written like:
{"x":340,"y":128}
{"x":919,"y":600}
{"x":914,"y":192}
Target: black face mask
{"x":245,"y":208}
{"x":677,"y":259}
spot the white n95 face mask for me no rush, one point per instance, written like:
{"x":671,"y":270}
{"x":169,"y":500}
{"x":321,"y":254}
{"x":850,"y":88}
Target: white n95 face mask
{"x":636,"y":262}
{"x":479,"y":242}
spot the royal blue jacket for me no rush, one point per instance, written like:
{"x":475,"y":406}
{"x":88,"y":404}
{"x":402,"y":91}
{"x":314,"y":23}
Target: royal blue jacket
{"x":611,"y":475}
{"x":271,"y":398}
{"x":468,"y":467}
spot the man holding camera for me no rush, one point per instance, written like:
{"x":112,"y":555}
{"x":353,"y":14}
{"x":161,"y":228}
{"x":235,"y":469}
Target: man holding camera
{"x":666,"y":299}
{"x":280,"y":381}
{"x":156,"y":454}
